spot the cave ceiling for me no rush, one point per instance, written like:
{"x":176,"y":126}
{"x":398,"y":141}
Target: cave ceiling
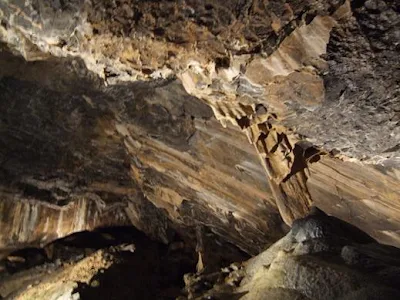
{"x":231,"y":117}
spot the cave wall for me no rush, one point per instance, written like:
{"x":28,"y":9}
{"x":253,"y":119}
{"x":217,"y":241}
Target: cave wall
{"x":77,"y":155}
{"x":173,"y":115}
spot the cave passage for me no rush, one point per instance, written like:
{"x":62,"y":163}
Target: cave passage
{"x":141,"y":269}
{"x":236,"y":149}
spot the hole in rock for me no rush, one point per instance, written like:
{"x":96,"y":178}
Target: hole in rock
{"x":152,"y":271}
{"x":222,"y":62}
{"x":132,"y":265}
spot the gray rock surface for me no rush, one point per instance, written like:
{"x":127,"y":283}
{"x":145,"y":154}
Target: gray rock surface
{"x":330,"y":265}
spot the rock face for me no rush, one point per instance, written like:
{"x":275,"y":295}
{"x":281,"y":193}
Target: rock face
{"x":320,"y":258}
{"x":82,"y":155}
{"x":195,"y":116}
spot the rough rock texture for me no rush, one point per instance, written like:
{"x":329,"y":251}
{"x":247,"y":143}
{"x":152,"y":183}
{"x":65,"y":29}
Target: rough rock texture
{"x":117,"y":116}
{"x":320,"y":258}
{"x":80,"y":155}
{"x":109,"y":263}
{"x":63,"y":280}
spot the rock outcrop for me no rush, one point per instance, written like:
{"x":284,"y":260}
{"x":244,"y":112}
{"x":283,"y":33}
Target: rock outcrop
{"x":180,"y":117}
{"x":320,"y":258}
{"x":116,"y":263}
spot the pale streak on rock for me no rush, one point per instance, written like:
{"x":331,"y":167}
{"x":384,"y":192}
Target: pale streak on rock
{"x":300,"y":48}
{"x":36,"y":223}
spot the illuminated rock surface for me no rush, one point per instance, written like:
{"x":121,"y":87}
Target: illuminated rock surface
{"x":194,"y":118}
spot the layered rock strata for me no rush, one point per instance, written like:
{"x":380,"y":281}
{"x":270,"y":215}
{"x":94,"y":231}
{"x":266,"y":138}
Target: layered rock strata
{"x":117,"y":116}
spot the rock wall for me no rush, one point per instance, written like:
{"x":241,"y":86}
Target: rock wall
{"x":320,"y":258}
{"x":118,"y":111}
{"x":77,"y":155}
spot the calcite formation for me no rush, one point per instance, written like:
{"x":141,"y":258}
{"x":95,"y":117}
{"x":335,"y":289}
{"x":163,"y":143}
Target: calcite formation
{"x":234,"y":117}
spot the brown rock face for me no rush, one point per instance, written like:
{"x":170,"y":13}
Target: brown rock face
{"x":82,"y":155}
{"x":172,"y":116}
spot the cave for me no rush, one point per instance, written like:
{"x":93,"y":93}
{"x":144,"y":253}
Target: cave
{"x":242,"y":149}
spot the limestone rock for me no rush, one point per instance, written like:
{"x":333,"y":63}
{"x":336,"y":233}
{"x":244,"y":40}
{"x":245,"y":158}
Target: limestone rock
{"x":326,"y":263}
{"x":78,"y":155}
{"x":170,"y":115}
